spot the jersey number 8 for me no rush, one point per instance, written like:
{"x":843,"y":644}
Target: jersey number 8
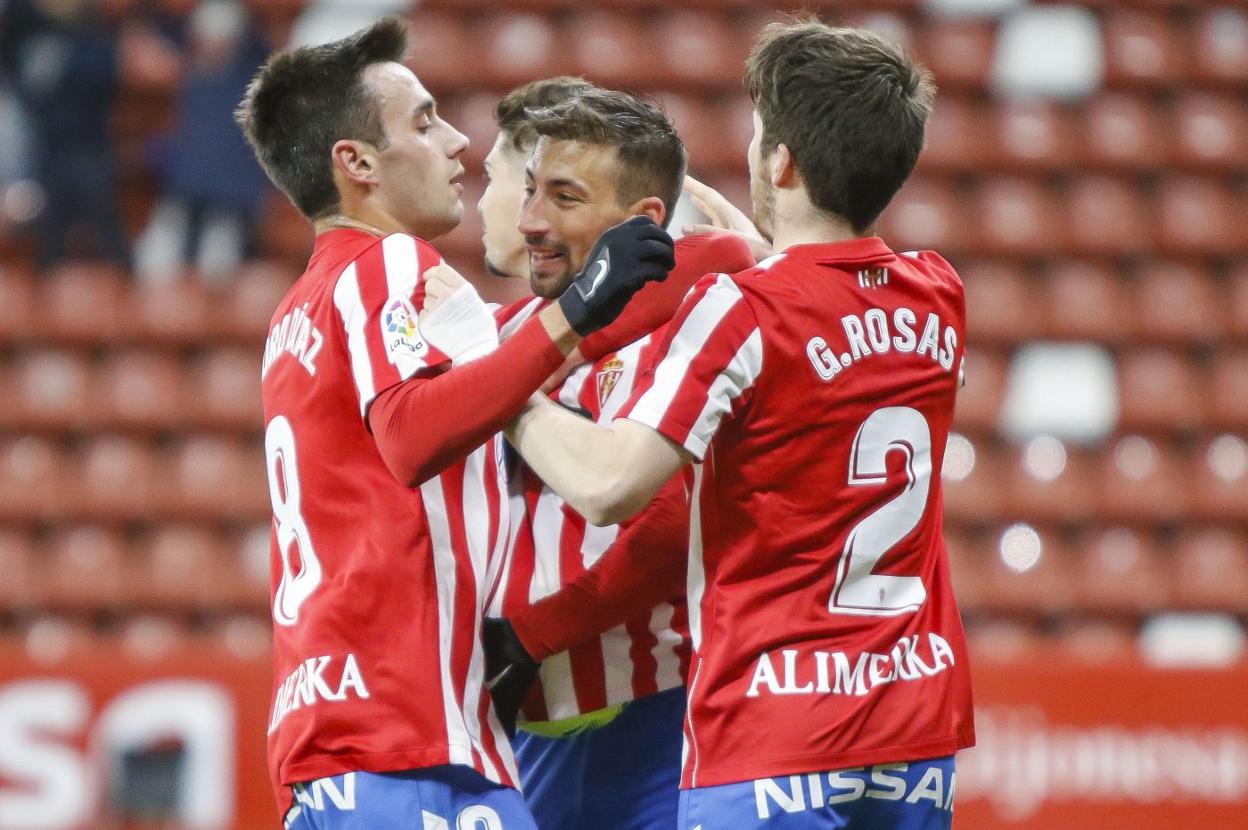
{"x":292,"y":530}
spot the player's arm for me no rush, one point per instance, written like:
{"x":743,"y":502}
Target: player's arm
{"x":710,"y":359}
{"x":644,"y":566}
{"x":427,"y":422}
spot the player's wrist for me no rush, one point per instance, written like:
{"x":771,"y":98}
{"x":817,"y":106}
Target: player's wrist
{"x":558,"y":329}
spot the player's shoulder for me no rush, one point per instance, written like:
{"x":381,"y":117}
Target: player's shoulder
{"x":396,"y":257}
{"x":724,"y":253}
{"x":933,"y":265}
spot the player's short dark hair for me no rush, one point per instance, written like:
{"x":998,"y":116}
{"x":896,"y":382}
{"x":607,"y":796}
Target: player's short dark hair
{"x":512,"y":110}
{"x":652,"y":156}
{"x":850,"y":106}
{"x":303,"y":100}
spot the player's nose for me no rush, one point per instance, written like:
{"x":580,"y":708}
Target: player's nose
{"x":456,"y":142}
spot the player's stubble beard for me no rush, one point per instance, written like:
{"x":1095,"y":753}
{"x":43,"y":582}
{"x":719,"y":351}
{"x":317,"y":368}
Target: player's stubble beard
{"x":763,"y":204}
{"x":550,"y":287}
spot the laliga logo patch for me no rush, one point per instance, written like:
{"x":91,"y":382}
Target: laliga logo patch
{"x":398,"y":329}
{"x":607,"y":378}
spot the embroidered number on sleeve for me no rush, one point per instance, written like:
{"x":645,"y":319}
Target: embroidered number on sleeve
{"x":293,"y":538}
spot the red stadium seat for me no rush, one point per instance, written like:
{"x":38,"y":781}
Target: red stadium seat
{"x":697,"y":47}
{"x":1001,"y":303}
{"x":971,"y":481}
{"x":609,"y":47}
{"x":979,"y":401}
{"x":36,"y":481}
{"x":1123,"y":132}
{"x":216,"y":478}
{"x":140,"y":390}
{"x":1141,"y":50}
{"x":81,"y":303}
{"x":51,"y":390}
{"x":1095,"y":641}
{"x":516,"y":47}
{"x":21,"y":589}
{"x":1237,"y":301}
{"x":1008,"y":641}
{"x":926,"y":213}
{"x":59,"y":640}
{"x":285,"y":235}
{"x":439,"y":41}
{"x":120,"y":480}
{"x":252,"y":299}
{"x":462,"y":246}
{"x":1015,"y":584}
{"x":1218,"y":479}
{"x":226,"y":390}
{"x":968,"y":559}
{"x":244,"y":635}
{"x":88,"y":569}
{"x":177,"y":312}
{"x":1211,"y":570}
{"x":1228,"y":391}
{"x":17,"y":303}
{"x":1142,"y":480}
{"x":247,"y":560}
{"x":1121,"y":571}
{"x":702,"y":128}
{"x":1088,"y":301}
{"x":1219,"y":47}
{"x":958,"y":52}
{"x":1031,"y":135}
{"x":1017,"y":217}
{"x":1063,"y":493}
{"x":182,"y":569}
{"x":955,"y":136}
{"x":1199,"y":216}
{"x":1176,"y":302}
{"x":1106,"y":217}
{"x":1209,"y":133}
{"x":1160,"y":391}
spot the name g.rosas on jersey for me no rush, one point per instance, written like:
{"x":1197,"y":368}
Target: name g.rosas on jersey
{"x":878,"y":332}
{"x":295,"y":335}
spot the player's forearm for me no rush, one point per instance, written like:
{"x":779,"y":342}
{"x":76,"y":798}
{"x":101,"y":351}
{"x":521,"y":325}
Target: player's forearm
{"x":644,"y":567}
{"x":606,"y":474}
{"x":424,"y":425}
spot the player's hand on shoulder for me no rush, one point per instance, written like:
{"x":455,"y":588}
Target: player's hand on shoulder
{"x":454,"y":318}
{"x":724,"y":217}
{"x":623,"y":260}
{"x":509,"y":670}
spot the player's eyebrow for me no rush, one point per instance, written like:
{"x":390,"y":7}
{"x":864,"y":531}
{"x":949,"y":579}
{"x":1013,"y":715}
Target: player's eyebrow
{"x":561,"y":182}
{"x":424,"y":106}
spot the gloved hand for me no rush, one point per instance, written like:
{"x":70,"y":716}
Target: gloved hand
{"x":625,"y":258}
{"x":509,"y":670}
{"x":455,"y":319}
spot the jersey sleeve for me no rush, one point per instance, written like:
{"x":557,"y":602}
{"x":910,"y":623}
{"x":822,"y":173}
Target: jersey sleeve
{"x":378,"y":297}
{"x":712,"y":355}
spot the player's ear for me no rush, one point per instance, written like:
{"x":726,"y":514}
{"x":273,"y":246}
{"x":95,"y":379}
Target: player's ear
{"x":651,"y":206}
{"x":780,"y":167}
{"x":354,"y":160}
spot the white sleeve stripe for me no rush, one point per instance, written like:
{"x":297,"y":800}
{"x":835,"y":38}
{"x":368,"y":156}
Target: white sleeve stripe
{"x":739,"y":375}
{"x":521,"y":317}
{"x":354,"y":318}
{"x":402,"y":264}
{"x":684,"y":348}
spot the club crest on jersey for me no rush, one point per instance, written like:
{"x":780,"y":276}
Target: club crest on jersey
{"x":608,"y":376}
{"x":398,"y":329}
{"x":872,"y":277}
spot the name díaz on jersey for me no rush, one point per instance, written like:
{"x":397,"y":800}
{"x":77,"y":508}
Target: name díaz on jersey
{"x":876,"y":331}
{"x":830,"y":672}
{"x":295,"y":335}
{"x":307,"y":686}
{"x":815,"y":790}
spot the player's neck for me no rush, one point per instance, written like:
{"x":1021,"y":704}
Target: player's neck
{"x":360,"y":217}
{"x":809,"y":227}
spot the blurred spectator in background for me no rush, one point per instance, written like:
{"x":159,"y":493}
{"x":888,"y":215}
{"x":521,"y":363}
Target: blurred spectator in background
{"x":213,"y":186}
{"x":60,"y":58}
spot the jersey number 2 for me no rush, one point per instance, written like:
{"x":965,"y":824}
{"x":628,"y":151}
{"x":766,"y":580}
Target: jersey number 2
{"x":858,"y":590}
{"x":292,"y":530}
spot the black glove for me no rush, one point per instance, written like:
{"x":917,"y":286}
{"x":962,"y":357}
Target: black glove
{"x":509,"y":670}
{"x":624,"y":259}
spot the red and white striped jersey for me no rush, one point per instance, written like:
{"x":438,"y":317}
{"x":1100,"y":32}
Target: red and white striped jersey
{"x":555,"y":545}
{"x":378,"y":588}
{"x":817,"y":390}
